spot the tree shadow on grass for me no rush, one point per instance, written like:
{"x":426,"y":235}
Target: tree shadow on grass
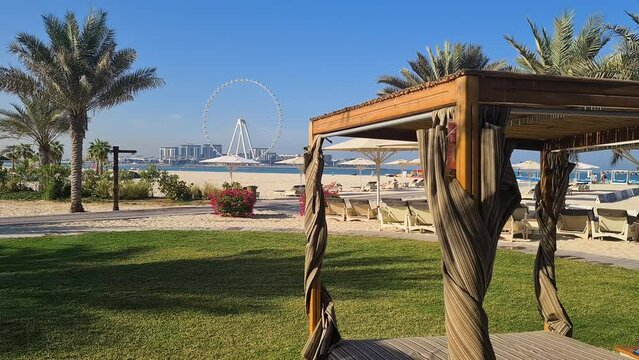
{"x":66,"y":288}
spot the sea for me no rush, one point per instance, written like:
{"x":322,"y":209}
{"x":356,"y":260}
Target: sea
{"x":262,"y":169}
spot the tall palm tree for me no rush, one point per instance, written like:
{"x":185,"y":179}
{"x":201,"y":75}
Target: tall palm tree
{"x":439,"y":63}
{"x":625,"y":60}
{"x":57,"y":150}
{"x":99,"y":152}
{"x":35,"y":120}
{"x":12,"y":153}
{"x":82,"y":71}
{"x":563,"y":52}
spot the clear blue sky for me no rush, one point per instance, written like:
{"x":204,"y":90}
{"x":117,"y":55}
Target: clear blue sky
{"x":316,"y":56}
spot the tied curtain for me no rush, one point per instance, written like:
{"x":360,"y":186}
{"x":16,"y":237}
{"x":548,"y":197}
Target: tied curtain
{"x":325,"y":335}
{"x":550,"y":194}
{"x":468,"y":229}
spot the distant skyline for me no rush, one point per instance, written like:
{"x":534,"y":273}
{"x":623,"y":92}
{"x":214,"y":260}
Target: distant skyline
{"x":315,"y":56}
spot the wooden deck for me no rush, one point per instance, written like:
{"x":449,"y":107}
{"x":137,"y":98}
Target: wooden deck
{"x":537,"y":345}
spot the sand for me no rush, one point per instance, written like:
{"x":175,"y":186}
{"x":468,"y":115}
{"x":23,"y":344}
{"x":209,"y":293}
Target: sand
{"x":269,"y":183}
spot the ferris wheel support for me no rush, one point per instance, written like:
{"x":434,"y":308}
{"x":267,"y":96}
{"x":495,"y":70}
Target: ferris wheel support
{"x":241,"y":137}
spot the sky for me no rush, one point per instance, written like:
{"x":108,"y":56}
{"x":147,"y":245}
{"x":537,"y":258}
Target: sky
{"x":314,"y":56}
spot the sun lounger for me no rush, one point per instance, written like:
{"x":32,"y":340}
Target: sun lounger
{"x":575,"y":222}
{"x":614,"y":223}
{"x":296,"y":190}
{"x":370,"y":186}
{"x":394,"y":214}
{"x":335,"y":208}
{"x":422,"y":218}
{"x":518,"y":224}
{"x":360,"y":209}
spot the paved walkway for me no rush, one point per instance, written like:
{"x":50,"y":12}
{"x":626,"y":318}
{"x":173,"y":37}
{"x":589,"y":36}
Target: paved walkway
{"x":28,"y":226}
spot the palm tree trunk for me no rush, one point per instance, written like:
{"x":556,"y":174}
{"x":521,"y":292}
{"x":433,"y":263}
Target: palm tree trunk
{"x":77,"y":138}
{"x":44,"y":155}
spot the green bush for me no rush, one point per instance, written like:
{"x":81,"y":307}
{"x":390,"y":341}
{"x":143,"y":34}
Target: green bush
{"x":196,"y":192}
{"x":54,"y":181}
{"x":174,"y":188}
{"x":134,"y":190}
{"x":89,"y":183}
{"x":20,"y":195}
{"x":103,"y":188}
{"x":151,"y":175}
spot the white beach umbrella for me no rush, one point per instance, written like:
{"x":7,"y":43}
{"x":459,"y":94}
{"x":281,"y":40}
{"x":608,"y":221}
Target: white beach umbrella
{"x":297,"y":161}
{"x":584,"y":166}
{"x":360,"y":164}
{"x":376,"y":150}
{"x":527,"y":165}
{"x":232,"y":162}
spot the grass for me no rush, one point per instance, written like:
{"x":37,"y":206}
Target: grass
{"x":238,"y":295}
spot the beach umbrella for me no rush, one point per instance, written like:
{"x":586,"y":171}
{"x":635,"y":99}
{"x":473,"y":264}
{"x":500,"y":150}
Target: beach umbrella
{"x":376,"y":150}
{"x":297,"y":161}
{"x":359,"y":163}
{"x":579,"y":167}
{"x":527,"y":165}
{"x":232,"y":162}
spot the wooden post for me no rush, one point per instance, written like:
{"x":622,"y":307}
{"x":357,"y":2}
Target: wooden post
{"x":116,"y":174}
{"x":467,"y":157}
{"x":315,"y":303}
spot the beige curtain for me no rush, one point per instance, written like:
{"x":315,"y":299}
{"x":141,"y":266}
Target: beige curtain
{"x":550,"y":194}
{"x":326,"y":334}
{"x":468,"y":231}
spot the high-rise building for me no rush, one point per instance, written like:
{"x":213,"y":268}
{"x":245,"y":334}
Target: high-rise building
{"x":190,"y":151}
{"x":209,"y":151}
{"x":169,"y":153}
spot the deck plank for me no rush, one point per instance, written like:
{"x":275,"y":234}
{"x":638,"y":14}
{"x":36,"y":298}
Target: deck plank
{"x":536,"y":345}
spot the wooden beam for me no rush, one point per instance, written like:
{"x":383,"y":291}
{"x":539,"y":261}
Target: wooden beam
{"x":535,"y":90}
{"x":416,"y":102}
{"x":594,"y":138}
{"x":467,"y":155}
{"x":526,"y":144}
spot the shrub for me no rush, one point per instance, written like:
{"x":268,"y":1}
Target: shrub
{"x":327,"y":194}
{"x":233,"y":202}
{"x":174,"y":188}
{"x":134,"y":190}
{"x":4,"y":176}
{"x":54,"y":181}
{"x":234,"y":185}
{"x":208,"y":189}
{"x":20,"y":195}
{"x":196,"y":192}
{"x":150,"y":175}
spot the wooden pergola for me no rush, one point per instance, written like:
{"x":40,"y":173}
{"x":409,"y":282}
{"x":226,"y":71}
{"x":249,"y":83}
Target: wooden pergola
{"x":546,"y":113}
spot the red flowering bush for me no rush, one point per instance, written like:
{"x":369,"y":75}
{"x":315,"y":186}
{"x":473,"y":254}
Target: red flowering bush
{"x":327,"y":194}
{"x":232,"y":201}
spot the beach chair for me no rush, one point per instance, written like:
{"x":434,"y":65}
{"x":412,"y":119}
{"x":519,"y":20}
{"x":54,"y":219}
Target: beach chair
{"x":360,"y":209}
{"x":333,"y":187}
{"x":614,"y":223}
{"x":370,"y":186}
{"x":518,"y":224}
{"x":394,"y":214}
{"x":575,"y":222}
{"x":335,"y":208}
{"x":421,"y":218}
{"x":296,"y":190}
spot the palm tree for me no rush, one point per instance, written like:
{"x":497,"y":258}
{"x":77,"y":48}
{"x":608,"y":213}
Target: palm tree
{"x":57,"y":150}
{"x":12,"y":153}
{"x":35,"y":120}
{"x":25,"y":153}
{"x":81,"y":71}
{"x":563,"y":52}
{"x":625,"y":60}
{"x":99,"y":152}
{"x":438,"y":64}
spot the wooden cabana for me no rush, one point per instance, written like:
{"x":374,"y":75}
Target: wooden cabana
{"x":467,"y":126}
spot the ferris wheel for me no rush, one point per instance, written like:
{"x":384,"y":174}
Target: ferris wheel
{"x":268,"y":127}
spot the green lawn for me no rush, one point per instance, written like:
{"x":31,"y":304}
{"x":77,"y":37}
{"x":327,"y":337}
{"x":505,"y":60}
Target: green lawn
{"x":238,"y":295}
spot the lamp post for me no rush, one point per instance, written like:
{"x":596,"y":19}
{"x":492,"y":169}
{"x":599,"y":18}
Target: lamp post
{"x":116,"y":174}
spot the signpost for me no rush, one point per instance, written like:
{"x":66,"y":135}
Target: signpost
{"x":116,"y":174}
